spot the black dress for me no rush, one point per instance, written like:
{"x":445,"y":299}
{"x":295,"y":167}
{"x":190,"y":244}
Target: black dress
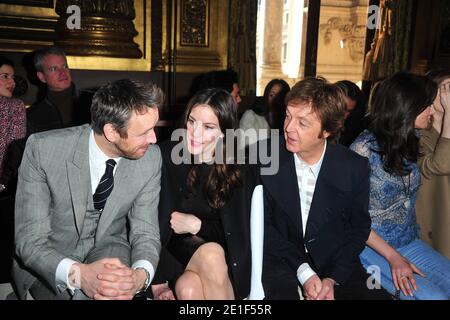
{"x":183,"y":246}
{"x":229,"y":226}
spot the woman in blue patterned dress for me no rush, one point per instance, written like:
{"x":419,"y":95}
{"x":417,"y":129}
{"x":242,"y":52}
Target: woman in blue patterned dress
{"x":406,"y":265}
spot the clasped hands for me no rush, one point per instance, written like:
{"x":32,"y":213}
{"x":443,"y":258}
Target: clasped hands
{"x":108,"y":279}
{"x":316,"y":289}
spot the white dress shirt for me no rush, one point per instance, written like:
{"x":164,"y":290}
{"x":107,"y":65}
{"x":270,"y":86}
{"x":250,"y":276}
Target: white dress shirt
{"x":306,"y":178}
{"x":97,"y":166}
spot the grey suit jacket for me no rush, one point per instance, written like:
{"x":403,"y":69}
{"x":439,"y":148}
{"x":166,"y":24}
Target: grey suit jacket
{"x":52,"y":195}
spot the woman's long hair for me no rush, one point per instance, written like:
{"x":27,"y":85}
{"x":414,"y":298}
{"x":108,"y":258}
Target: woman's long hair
{"x":395,"y":104}
{"x":222,"y":178}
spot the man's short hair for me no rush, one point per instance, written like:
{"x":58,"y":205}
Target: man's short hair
{"x":39,"y":56}
{"x":114,"y":103}
{"x":222,"y":79}
{"x":327,"y":102}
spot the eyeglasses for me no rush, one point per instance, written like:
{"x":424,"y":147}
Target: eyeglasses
{"x":6,"y":76}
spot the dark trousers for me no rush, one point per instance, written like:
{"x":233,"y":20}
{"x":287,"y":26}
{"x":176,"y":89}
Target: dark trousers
{"x":6,"y":235}
{"x":279,"y":280}
{"x":357,"y":289}
{"x":280,"y":283}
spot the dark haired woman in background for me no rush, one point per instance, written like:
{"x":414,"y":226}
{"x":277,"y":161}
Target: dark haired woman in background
{"x":204,"y":208}
{"x":12,"y":120}
{"x":400,"y":104}
{"x":268,"y":111}
{"x":355,"y":112}
{"x":12,"y":134}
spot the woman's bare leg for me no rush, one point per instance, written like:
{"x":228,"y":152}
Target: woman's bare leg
{"x":209,"y":264}
{"x":189,"y":287}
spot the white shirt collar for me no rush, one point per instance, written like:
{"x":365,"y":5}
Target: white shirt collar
{"x":315,"y":168}
{"x":96,"y":155}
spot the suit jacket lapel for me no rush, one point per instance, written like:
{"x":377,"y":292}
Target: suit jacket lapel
{"x":325,"y":191}
{"x":78,"y":174}
{"x":317,"y":211}
{"x":283,"y":187}
{"x":115,"y":199}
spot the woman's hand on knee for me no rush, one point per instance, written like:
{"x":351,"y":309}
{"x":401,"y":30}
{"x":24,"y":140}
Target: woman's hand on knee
{"x":403,"y":274}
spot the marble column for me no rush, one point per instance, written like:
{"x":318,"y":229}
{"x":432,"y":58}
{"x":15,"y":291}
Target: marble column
{"x":273,"y":27}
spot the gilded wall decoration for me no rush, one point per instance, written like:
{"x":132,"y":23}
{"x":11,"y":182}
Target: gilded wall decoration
{"x":106,"y":28}
{"x":194,"y":22}
{"x":33,"y":3}
{"x":352,"y":36}
{"x":204,"y":51}
{"x":156,"y":35}
{"x":24,"y":28}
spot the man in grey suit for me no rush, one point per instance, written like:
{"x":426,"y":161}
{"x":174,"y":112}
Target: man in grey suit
{"x":87,"y":199}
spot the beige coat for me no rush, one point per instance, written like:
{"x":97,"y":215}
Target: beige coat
{"x":433,"y":199}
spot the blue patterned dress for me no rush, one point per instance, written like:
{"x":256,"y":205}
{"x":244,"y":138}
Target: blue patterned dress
{"x":392,"y":198}
{"x":392,"y":209}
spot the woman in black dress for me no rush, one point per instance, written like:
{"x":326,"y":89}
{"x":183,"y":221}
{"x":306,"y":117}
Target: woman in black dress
{"x":204,"y":208}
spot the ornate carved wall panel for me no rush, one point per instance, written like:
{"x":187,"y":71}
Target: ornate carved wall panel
{"x":26,"y":27}
{"x":142,"y":24}
{"x":106,"y":28}
{"x":201,"y":37}
{"x":341,"y":39}
{"x":194,"y":22}
{"x":156,"y":19}
{"x":109,"y":29}
{"x":353,"y":36}
{"x":189,"y":36}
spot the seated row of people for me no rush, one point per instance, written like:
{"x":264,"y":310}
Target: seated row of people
{"x":101,"y":211}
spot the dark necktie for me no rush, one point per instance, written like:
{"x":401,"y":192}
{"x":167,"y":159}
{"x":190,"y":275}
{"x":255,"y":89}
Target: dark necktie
{"x":105,"y":186}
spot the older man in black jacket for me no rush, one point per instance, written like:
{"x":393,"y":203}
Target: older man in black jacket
{"x":316,"y":206}
{"x":62,"y":106}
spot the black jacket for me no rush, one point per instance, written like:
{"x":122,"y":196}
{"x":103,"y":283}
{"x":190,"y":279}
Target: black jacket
{"x":45,"y":115}
{"x":338,"y":223}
